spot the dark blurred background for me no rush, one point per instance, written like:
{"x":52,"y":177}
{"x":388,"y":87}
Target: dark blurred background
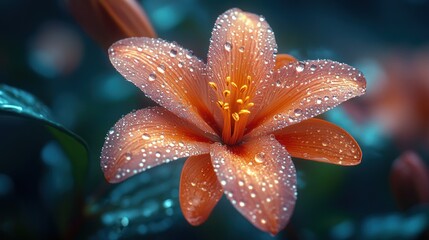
{"x":45,"y":51}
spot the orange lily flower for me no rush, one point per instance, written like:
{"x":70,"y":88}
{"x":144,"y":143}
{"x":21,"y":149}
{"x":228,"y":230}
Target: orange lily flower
{"x":239,"y":118}
{"x":107,"y":21}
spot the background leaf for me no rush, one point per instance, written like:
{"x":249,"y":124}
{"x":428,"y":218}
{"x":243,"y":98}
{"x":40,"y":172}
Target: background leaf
{"x":22,"y":104}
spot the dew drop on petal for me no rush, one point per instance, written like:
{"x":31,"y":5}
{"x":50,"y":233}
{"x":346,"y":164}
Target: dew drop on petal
{"x":300,"y":67}
{"x":319,"y":101}
{"x":111,"y":131}
{"x":241,"y":49}
{"x":173,"y":53}
{"x":152,"y":77}
{"x":157,"y":154}
{"x":297,"y":112}
{"x":313,"y":67}
{"x":145,"y":136}
{"x":161,"y":69}
{"x":228,"y":46}
{"x":324,"y":144}
{"x":260,"y":157}
{"x":128,"y":156}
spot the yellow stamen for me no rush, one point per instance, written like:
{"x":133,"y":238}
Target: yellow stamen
{"x":243,"y":88}
{"x":213,"y":85}
{"x":226,"y":93}
{"x":244,"y":111}
{"x":228,"y":80}
{"x":234,"y":101}
{"x":225,"y":106}
{"x":235,"y":116}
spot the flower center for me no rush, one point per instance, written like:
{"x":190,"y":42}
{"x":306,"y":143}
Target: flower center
{"x":234,"y":102}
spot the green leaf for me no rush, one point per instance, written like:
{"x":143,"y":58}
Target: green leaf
{"x":19,"y":103}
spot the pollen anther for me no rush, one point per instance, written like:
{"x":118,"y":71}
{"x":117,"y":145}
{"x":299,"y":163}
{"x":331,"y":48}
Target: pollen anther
{"x":226,"y":93}
{"x":243,"y":88}
{"x":235,"y":116}
{"x":213,"y":85}
{"x":244,"y":111}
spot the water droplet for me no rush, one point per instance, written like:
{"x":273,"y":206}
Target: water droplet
{"x":241,"y":204}
{"x":326,"y":98}
{"x":152,"y":77}
{"x":313,"y":67}
{"x":157,"y":154}
{"x":161,"y":69}
{"x":111,"y":131}
{"x":173,"y":53}
{"x":261,"y":18}
{"x":228,"y":46}
{"x":260,"y":157}
{"x":189,"y":54}
{"x":324,"y":144}
{"x":145,"y":136}
{"x":241,"y":49}
{"x":297,"y":112}
{"x":277,"y":116}
{"x":124,"y":222}
{"x":128,"y":156}
{"x":180,"y":64}
{"x":223,"y":182}
{"x":300,"y":67}
{"x":278,"y":83}
{"x":319,"y":101}
{"x":263,"y":221}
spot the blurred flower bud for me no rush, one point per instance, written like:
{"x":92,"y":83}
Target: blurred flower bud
{"x":107,"y":21}
{"x":409,"y":179}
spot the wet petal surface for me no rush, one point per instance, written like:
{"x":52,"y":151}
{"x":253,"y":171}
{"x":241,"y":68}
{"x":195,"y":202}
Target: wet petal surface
{"x":304,"y":89}
{"x":240,"y":59}
{"x":147,"y":138}
{"x":199,"y":189}
{"x":168,"y":74}
{"x":319,"y":140}
{"x":259,"y":179}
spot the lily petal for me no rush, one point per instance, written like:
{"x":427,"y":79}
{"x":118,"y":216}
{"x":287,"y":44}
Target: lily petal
{"x":168,"y":74}
{"x":199,"y":190}
{"x":319,"y":140}
{"x":305,"y":89}
{"x":259,"y":179}
{"x":147,"y":138}
{"x":107,"y":21}
{"x":241,"y":49}
{"x":283,"y":59}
